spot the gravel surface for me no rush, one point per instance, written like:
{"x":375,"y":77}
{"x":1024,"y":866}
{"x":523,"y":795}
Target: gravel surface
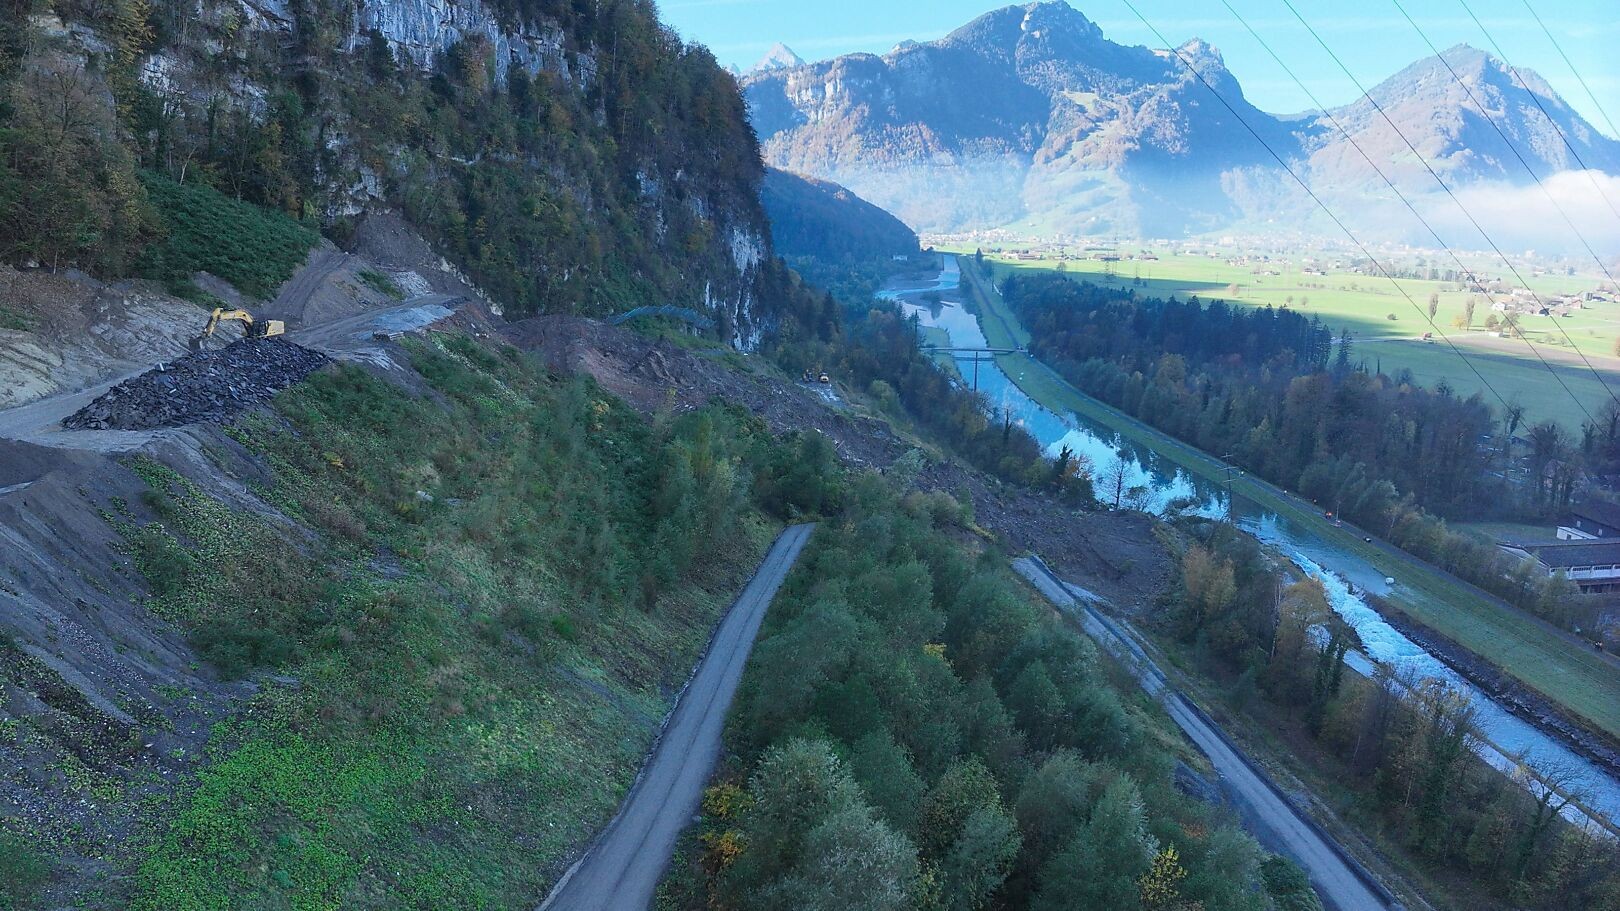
{"x":621,"y":871}
{"x":200,"y":387}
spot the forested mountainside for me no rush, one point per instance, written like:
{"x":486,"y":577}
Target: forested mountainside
{"x":1029,"y":116}
{"x":567,"y":156}
{"x":821,"y":219}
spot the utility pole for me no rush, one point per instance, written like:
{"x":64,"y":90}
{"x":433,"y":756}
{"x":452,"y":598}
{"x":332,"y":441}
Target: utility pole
{"x":1228,"y":468}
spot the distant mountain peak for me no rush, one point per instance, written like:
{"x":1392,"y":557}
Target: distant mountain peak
{"x":779,"y":57}
{"x":1011,"y":24}
{"x":1030,"y":116}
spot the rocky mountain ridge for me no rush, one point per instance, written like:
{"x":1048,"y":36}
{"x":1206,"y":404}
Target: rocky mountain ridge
{"x":1030,"y":116}
{"x":779,"y":57}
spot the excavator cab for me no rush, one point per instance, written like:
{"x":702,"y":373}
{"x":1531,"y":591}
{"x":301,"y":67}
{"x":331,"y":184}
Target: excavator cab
{"x":251,"y":328}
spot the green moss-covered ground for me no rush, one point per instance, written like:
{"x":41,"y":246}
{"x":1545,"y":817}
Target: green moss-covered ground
{"x":492,"y":593}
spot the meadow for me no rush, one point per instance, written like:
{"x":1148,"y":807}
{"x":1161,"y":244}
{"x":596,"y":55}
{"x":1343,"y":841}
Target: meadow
{"x":1364,"y":305}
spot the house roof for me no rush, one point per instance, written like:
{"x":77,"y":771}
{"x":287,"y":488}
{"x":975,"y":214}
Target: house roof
{"x":1569,"y":554}
{"x":1599,"y":511}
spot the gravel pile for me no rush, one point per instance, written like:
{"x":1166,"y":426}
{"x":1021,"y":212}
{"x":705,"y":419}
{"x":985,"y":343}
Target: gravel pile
{"x":206,"y":386}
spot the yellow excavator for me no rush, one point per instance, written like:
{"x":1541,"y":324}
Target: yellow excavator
{"x":251,"y":328}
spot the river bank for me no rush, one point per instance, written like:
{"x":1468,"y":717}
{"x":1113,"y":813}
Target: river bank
{"x":1059,"y":416}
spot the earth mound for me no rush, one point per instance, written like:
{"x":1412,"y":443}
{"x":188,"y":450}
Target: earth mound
{"x":204,"y":386}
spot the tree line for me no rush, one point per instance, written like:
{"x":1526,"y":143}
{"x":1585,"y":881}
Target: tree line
{"x":868,"y":344}
{"x":914,"y":733}
{"x":1272,"y":391}
{"x":1402,"y":749}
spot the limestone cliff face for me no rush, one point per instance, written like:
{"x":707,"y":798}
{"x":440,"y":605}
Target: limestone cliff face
{"x":421,"y":30}
{"x":641,"y":186}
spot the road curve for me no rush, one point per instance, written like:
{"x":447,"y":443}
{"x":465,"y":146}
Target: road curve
{"x":1339,"y":879}
{"x":621,"y":871}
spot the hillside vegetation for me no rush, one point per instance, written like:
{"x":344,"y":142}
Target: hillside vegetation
{"x":815,"y":218}
{"x":915,"y":731}
{"x":484,"y":624}
{"x":203,"y":230}
{"x":609,"y":175}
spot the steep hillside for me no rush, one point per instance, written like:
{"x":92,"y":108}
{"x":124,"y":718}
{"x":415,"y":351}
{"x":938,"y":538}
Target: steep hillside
{"x":568,"y":157}
{"x":820,"y":219}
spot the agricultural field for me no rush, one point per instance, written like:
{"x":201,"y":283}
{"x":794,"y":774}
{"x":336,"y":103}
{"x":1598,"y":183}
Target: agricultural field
{"x":1387,"y":330}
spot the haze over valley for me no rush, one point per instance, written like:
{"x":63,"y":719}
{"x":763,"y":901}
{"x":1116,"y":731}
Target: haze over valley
{"x":1029,"y":118}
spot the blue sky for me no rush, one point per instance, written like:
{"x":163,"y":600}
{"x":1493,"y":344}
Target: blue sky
{"x":1371,"y":37}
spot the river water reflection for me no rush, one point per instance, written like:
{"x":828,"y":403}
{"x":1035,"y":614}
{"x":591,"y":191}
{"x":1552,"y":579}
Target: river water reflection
{"x":1168,"y":483}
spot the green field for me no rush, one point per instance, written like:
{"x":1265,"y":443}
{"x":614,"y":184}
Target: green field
{"x":1546,"y":659}
{"x":1363,"y":304}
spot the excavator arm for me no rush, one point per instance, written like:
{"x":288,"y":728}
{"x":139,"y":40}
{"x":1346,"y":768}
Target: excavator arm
{"x":251,"y":328}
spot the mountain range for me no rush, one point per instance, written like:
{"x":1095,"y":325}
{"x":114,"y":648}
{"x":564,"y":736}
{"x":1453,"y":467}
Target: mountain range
{"x":1030,"y":117}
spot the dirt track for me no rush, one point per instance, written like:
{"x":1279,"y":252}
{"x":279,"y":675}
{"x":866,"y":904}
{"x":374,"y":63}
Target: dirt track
{"x":1342,"y":882}
{"x":621,"y":871}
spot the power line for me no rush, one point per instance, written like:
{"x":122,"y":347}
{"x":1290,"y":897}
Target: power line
{"x":1582,"y":79}
{"x":1505,"y":140}
{"x":1525,"y":164}
{"x":1312,"y":194}
{"x":1397,"y":190}
{"x":1540,"y":304}
{"x":1524,"y":84}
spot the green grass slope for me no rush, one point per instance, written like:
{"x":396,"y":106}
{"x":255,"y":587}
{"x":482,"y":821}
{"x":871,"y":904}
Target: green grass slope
{"x":474,"y":642}
{"x":253,"y":248}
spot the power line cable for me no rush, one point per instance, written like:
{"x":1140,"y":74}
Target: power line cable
{"x":1312,"y":194}
{"x":1613,"y":131}
{"x":1473,"y":279}
{"x":1540,"y":304}
{"x":1536,"y":99}
{"x":1528,"y":169}
{"x":1505,"y":140}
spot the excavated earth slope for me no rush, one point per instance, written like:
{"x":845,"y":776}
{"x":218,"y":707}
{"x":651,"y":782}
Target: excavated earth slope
{"x":205,"y":386}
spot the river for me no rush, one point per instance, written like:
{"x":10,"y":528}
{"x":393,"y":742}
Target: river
{"x":1504,"y":735}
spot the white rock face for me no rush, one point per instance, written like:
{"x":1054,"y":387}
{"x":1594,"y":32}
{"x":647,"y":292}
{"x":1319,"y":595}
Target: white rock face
{"x":420,"y":30}
{"x":747,"y":253}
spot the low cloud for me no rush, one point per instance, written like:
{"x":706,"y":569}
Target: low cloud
{"x":1521,"y":218}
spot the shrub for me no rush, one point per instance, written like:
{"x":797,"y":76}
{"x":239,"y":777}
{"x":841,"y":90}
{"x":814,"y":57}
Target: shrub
{"x":22,"y":872}
{"x":253,"y":248}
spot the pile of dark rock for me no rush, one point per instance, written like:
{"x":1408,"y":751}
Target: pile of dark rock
{"x":205,"y":386}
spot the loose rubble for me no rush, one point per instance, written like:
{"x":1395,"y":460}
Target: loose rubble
{"x":206,"y":386}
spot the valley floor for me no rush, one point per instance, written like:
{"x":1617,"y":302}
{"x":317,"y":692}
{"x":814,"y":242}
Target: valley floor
{"x":1581,"y":681}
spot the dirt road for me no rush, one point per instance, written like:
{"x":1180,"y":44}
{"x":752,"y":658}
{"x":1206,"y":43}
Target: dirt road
{"x":621,"y":871}
{"x":349,"y":339}
{"x":1339,"y":879}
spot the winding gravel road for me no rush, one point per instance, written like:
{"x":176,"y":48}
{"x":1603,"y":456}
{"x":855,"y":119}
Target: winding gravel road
{"x":1339,"y":879}
{"x":621,"y":871}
